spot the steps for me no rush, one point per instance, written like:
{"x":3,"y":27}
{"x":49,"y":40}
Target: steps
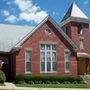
{"x":86,"y":78}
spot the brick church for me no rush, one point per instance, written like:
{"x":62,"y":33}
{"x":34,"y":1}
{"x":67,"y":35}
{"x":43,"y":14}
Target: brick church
{"x":50,"y":48}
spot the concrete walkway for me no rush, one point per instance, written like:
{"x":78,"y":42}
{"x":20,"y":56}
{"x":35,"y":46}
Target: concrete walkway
{"x":11,"y":86}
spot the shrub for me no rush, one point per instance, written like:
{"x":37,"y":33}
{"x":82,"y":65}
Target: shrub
{"x":20,"y":79}
{"x":2,"y":77}
{"x":79,"y":80}
{"x":47,"y":79}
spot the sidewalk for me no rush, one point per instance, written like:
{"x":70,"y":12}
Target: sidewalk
{"x":11,"y":86}
{"x":8,"y":86}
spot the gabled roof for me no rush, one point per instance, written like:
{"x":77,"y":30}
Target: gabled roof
{"x":10,"y":35}
{"x":56,"y":26}
{"x":74,"y":11}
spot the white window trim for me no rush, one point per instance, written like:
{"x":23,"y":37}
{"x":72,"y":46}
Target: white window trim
{"x":67,"y":71}
{"x":27,"y":49}
{"x":46,"y":59}
{"x":48,"y":33}
{"x":81,"y":44}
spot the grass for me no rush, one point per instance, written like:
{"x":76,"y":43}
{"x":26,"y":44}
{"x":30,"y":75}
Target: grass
{"x":54,"y":85}
{"x":1,"y":84}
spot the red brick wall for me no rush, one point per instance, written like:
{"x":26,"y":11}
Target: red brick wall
{"x":34,"y":43}
{"x":75,"y":36}
{"x":86,"y":38}
{"x":74,"y":33}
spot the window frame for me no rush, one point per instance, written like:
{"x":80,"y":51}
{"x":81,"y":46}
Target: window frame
{"x":81,"y":44}
{"x":48,"y":31}
{"x":30,"y":50}
{"x":46,"y":51}
{"x":67,"y":61}
{"x":80,"y":29}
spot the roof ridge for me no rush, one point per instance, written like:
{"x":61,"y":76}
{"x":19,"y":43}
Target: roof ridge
{"x":34,"y":29}
{"x":56,"y":25}
{"x":64,"y":35}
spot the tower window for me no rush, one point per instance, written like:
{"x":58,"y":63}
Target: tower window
{"x":67,"y":31}
{"x":81,"y":44}
{"x":80,"y":30}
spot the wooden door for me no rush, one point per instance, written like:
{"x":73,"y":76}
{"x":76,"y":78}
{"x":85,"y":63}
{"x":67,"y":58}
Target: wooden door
{"x":82,"y":67}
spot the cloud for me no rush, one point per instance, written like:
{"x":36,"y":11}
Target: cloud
{"x":11,"y":19}
{"x":5,"y":13}
{"x":29,"y":11}
{"x":24,"y":10}
{"x":86,"y":2}
{"x":23,"y":4}
{"x":36,"y":17}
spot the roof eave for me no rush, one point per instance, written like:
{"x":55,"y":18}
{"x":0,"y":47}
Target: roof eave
{"x":15,"y":49}
{"x":74,"y":19}
{"x":58,"y":28}
{"x":37,"y":27}
{"x":75,"y":48}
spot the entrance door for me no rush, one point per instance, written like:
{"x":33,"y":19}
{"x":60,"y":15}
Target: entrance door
{"x":5,"y":69}
{"x":81,"y":67}
{"x":88,"y":66}
{"x":6,"y":66}
{"x":84,"y":66}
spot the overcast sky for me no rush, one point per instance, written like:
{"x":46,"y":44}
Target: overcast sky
{"x":32,"y":12}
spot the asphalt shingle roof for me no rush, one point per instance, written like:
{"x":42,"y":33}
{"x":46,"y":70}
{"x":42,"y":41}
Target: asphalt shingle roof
{"x":10,"y":35}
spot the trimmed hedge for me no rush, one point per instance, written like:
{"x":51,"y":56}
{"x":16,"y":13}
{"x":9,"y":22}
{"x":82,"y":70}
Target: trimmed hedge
{"x":2,"y":77}
{"x":29,"y":79}
{"x":20,"y":79}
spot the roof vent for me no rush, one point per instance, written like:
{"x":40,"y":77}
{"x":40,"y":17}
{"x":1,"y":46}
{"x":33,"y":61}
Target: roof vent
{"x":48,"y":31}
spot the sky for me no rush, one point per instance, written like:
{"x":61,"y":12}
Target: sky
{"x":32,"y":12}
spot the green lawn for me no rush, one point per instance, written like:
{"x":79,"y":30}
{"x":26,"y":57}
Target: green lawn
{"x":54,"y":85}
{"x":1,"y":84}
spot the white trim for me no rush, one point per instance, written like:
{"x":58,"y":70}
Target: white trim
{"x":55,"y":25}
{"x":67,"y":71}
{"x":46,"y":59}
{"x":81,"y":44}
{"x":49,"y":72}
{"x":74,"y":19}
{"x":64,"y":35}
{"x":47,"y":42}
{"x":47,"y":31}
{"x":33,"y":31}
{"x":51,"y":58}
{"x":27,"y":49}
